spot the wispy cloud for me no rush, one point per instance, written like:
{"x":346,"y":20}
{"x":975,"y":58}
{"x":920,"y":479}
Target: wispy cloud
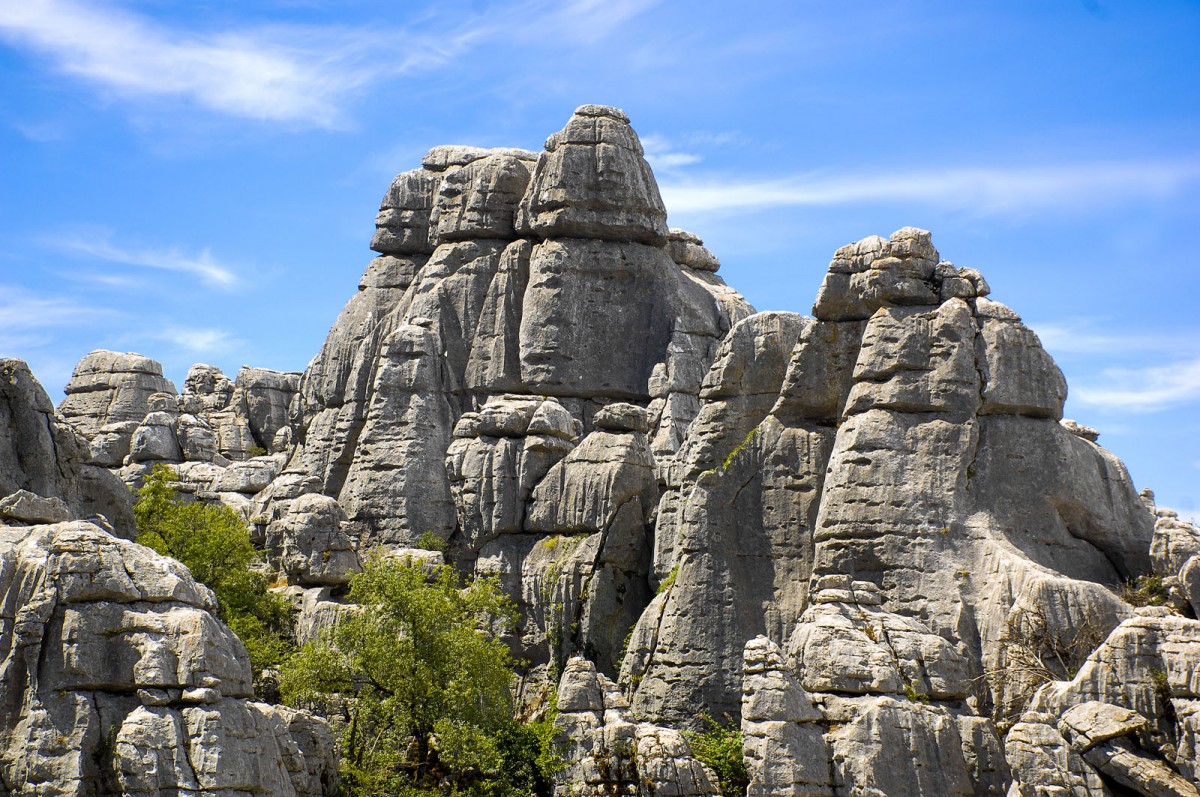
{"x":1143,"y":389}
{"x":587,"y":20}
{"x":195,"y":340}
{"x":661,"y":153}
{"x":983,"y":190}
{"x":23,"y":312}
{"x":296,"y":74}
{"x":203,"y":265}
{"x":42,"y":133}
{"x":1081,"y":336}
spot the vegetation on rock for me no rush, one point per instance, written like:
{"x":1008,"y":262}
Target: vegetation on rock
{"x":720,"y":749}
{"x":419,"y":680}
{"x":213,"y":542}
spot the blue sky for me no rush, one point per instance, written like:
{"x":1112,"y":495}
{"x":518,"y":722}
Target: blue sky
{"x":197,"y":182}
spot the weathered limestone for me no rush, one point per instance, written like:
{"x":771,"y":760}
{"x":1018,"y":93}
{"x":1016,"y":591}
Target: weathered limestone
{"x":308,"y":545}
{"x":107,"y":388}
{"x":117,"y":679}
{"x":592,"y":182}
{"x":607,"y":753}
{"x":44,"y":456}
{"x":539,"y":377}
{"x":588,"y":308}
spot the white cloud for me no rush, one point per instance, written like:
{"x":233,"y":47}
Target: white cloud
{"x":661,"y":154}
{"x":587,"y":20}
{"x":280,"y":73}
{"x":23,"y":312}
{"x":1081,"y":337}
{"x":42,"y":133}
{"x":984,"y":190}
{"x":210,"y":271}
{"x":1143,"y":389}
{"x":196,"y":340}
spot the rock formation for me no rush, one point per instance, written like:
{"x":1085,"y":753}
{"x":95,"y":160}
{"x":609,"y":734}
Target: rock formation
{"x":115,"y":676}
{"x":866,"y":537}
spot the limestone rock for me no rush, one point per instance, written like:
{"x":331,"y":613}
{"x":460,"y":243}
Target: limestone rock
{"x":594,"y":320}
{"x":875,"y":273}
{"x":26,"y":507}
{"x":402,"y":226}
{"x":308,"y":545}
{"x":784,"y":748}
{"x":205,"y":389}
{"x":607,"y":753}
{"x":592,"y":182}
{"x":93,"y":626}
{"x":263,"y":397}
{"x":42,"y":454}
{"x":498,"y":456}
{"x":107,"y":387}
{"x":480,"y":199}
{"x":688,"y":250}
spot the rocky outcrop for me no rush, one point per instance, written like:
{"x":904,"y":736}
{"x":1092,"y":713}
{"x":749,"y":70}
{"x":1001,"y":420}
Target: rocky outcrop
{"x":606,"y":752}
{"x":868,"y":535}
{"x":904,"y":447}
{"x":44,"y":466}
{"x":542,"y":276}
{"x":117,"y":679}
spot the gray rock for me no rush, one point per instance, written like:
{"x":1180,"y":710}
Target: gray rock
{"x":263,"y":397}
{"x":308,"y":545}
{"x":479,"y":200}
{"x":592,"y":182}
{"x":689,"y":251}
{"x":42,"y":454}
{"x":155,"y":440}
{"x":26,"y":507}
{"x":119,"y":646}
{"x":107,"y":387}
{"x":875,"y":273}
{"x":595,"y":320}
{"x":605,"y":752}
{"x":402,"y":226}
{"x":206,"y":389}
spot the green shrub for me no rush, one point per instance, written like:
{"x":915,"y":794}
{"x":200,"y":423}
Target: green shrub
{"x":1145,"y":591}
{"x":668,"y":582}
{"x":421,"y":678}
{"x":720,"y":748}
{"x":213,"y":542}
{"x":432,"y":542}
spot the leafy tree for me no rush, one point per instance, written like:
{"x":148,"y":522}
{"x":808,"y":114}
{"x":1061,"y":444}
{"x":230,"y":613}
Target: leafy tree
{"x":420,"y":679}
{"x":213,"y":542}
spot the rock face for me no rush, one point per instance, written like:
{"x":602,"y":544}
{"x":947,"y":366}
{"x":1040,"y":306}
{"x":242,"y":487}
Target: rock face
{"x":537,"y":276}
{"x":118,"y":680}
{"x":607,"y":752}
{"x":905,"y":449}
{"x":867,"y":536}
{"x":44,"y":475}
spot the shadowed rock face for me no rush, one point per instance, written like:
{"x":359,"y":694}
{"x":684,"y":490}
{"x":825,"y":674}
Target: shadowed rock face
{"x":869,"y":534}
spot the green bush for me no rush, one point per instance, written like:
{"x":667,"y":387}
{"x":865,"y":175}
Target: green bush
{"x":1145,"y":591}
{"x":420,"y":678}
{"x":720,"y":748}
{"x":213,"y":542}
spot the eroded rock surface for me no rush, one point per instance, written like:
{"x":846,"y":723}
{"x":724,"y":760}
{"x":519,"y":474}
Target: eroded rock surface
{"x":867,"y":535}
{"x":117,"y":679}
